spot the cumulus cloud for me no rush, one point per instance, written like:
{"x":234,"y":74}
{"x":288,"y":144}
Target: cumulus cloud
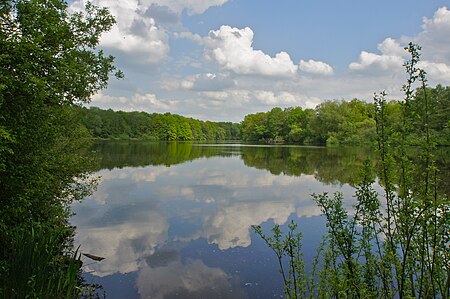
{"x":376,"y":63}
{"x":391,"y":47}
{"x":162,"y":14}
{"x":207,"y":81}
{"x":228,"y":97}
{"x":256,"y":97}
{"x":232,"y":49}
{"x":200,"y":82}
{"x":437,"y":71}
{"x":189,"y":35}
{"x":233,"y":104}
{"x":138,"y":102}
{"x":315,"y":67}
{"x":440,"y":21}
{"x":135,"y":33}
{"x":435,"y":37}
{"x":140,"y":31}
{"x":435,"y":43}
{"x":272,"y":99}
{"x":390,"y":60}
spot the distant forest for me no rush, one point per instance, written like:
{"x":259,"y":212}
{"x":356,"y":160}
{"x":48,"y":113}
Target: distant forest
{"x":331,"y":123}
{"x":109,"y":124}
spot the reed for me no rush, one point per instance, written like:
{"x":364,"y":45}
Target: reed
{"x":40,"y":264}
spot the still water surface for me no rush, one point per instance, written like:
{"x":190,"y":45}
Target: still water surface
{"x":173,"y":220}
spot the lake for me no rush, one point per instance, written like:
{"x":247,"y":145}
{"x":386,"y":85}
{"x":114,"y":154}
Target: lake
{"x":173,"y":220}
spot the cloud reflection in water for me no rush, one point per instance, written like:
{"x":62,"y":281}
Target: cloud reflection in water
{"x":131,"y":220}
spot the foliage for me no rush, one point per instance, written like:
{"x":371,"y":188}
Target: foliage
{"x":348,"y":122}
{"x":332,"y":122}
{"x":48,"y":64}
{"x":40,"y":266}
{"x":398,"y":247}
{"x":108,"y":124}
{"x":437,"y":101}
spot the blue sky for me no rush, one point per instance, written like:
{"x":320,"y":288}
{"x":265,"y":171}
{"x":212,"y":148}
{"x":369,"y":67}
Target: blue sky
{"x":220,"y":60}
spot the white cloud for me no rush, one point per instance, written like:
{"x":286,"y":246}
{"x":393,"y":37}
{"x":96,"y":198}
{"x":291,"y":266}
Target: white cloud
{"x":435,"y":43}
{"x":162,"y":14}
{"x":232,"y":49}
{"x":390,"y":60}
{"x":142,"y":38}
{"x":199,"y":82}
{"x":228,"y":97}
{"x":233,"y":104}
{"x":189,"y":35}
{"x":134,"y":33}
{"x":315,"y":67}
{"x":242,"y":100}
{"x":440,"y":20}
{"x":391,"y":47}
{"x":235,"y":180}
{"x":437,"y":27}
{"x":138,"y":102}
{"x":435,"y":37}
{"x":375,"y":63}
{"x":437,"y":71}
{"x":139,"y":31}
{"x":217,"y":95}
{"x":272,"y":99}
{"x":208,"y":81}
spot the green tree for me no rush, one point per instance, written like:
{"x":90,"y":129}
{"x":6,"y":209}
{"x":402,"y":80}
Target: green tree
{"x":328,"y":118}
{"x":254,"y":127}
{"x":358,"y":124}
{"x":437,"y":101}
{"x":277,"y":124}
{"x":48,"y":63}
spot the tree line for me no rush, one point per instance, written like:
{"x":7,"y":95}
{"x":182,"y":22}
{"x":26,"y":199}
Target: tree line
{"x":336,"y":122}
{"x":109,"y":124}
{"x":347,"y":122}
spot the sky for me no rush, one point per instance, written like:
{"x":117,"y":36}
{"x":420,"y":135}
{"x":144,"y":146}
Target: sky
{"x":220,"y":60}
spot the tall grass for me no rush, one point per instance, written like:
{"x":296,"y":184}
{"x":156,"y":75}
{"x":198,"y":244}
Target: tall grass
{"x":40,"y":265}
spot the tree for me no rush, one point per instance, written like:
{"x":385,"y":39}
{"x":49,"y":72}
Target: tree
{"x":48,"y":63}
{"x":254,"y":127}
{"x":328,"y":118}
{"x":277,"y":124}
{"x":439,"y":112}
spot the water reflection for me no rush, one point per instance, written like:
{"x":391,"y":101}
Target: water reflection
{"x":329,"y":165}
{"x":165,"y":223}
{"x":192,"y":279}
